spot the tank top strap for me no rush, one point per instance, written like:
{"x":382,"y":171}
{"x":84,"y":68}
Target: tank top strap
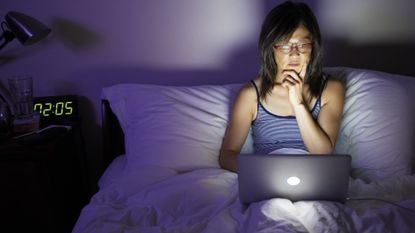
{"x":326,"y":80}
{"x":317,"y":105}
{"x":256,"y":89}
{"x":257,"y":94}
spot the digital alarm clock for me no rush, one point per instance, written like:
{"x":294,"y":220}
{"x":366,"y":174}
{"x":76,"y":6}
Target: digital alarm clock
{"x":62,"y":108}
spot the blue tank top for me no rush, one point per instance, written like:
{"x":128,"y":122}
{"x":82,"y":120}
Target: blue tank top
{"x":272,"y":132}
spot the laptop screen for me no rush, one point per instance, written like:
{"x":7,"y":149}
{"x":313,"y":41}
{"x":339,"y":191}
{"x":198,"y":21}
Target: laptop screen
{"x":295,"y":177}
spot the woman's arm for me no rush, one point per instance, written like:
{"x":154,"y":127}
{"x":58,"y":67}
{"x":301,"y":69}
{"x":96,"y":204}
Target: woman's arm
{"x":243,"y":112}
{"x":320,"y":137}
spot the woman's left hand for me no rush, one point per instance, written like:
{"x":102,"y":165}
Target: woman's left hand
{"x":294,"y":82}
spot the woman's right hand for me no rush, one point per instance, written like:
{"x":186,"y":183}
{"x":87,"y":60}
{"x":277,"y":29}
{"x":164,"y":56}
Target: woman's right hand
{"x":294,"y":82}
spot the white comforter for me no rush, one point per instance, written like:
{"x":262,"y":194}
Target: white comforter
{"x":155,"y":199}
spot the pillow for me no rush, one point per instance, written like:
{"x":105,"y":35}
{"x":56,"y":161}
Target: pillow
{"x":376,"y":125}
{"x":182,"y":127}
{"x":176,"y":127}
{"x":114,"y":171}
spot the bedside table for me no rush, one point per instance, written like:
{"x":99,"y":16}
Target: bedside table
{"x":42,"y":185}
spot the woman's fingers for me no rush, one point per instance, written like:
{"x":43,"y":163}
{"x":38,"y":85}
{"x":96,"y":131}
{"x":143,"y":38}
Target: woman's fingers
{"x":299,"y":76}
{"x":292,"y":74}
{"x":291,"y":80}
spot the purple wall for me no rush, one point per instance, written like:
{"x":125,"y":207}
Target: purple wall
{"x":96,"y":43}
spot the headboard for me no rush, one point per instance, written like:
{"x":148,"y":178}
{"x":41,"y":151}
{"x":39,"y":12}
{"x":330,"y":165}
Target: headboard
{"x":112,"y":134}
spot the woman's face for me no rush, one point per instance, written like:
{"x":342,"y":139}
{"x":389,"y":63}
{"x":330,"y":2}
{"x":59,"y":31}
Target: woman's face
{"x":294,"y":53}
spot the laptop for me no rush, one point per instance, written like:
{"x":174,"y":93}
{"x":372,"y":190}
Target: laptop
{"x":297,"y":177}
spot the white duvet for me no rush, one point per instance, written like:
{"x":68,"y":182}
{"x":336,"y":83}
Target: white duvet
{"x":156,"y":199}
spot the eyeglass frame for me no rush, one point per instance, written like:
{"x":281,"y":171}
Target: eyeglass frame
{"x":277,"y":46}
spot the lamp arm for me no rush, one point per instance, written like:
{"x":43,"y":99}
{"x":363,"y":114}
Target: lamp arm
{"x":8,"y":36}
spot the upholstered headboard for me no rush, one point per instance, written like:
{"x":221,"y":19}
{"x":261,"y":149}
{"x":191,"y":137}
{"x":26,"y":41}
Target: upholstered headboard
{"x":112,"y":134}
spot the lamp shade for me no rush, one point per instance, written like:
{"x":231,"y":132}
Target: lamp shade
{"x":27,"y":30}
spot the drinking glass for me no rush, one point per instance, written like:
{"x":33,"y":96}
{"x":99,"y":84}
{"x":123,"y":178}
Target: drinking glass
{"x":21,"y":89}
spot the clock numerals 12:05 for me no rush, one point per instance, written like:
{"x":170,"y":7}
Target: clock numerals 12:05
{"x":57,"y":109}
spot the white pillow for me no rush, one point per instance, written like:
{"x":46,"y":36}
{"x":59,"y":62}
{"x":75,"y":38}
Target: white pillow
{"x":376,"y":129}
{"x":176,"y":127}
{"x":113,"y":172}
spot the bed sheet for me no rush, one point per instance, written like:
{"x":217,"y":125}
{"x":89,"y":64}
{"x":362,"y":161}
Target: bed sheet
{"x":156,"y":199}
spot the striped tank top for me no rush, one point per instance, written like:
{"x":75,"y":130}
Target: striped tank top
{"x":272,"y":132}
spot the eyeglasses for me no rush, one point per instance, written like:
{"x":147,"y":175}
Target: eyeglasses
{"x":288,"y":48}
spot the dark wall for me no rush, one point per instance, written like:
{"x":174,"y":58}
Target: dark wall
{"x":98,"y":43}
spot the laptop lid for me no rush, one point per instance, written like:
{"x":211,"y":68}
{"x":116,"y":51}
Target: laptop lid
{"x":295,"y":177}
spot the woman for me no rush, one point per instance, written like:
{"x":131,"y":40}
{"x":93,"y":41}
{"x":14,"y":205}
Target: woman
{"x":292,"y":104}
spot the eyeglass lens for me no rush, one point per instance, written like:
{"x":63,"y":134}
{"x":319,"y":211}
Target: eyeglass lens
{"x":287,"y":48}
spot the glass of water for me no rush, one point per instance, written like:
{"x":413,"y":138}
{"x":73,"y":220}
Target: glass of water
{"x":21,"y":89}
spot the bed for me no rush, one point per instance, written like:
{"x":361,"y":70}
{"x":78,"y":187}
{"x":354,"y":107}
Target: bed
{"x":161,"y":146}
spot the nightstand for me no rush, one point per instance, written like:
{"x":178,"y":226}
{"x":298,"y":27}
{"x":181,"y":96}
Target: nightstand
{"x":42,"y":185}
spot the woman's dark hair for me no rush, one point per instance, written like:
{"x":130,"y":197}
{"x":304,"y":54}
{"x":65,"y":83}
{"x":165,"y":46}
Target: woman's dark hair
{"x":279,"y":25}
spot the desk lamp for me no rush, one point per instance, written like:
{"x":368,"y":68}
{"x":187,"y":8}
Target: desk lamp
{"x":26,"y":29}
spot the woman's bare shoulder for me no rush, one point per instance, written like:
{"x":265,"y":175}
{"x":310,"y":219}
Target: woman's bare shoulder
{"x":248,"y":89}
{"x":335,"y":85}
{"x":335,"y":90}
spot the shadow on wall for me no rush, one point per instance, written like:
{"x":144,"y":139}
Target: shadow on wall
{"x":74,"y":35}
{"x":393,"y":57}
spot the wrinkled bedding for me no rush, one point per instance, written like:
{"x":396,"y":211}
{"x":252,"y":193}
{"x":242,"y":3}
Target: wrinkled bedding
{"x":156,"y":199}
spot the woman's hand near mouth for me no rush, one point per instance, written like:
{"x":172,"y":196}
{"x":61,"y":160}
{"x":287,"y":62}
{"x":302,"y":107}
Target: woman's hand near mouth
{"x":294,"y":82}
